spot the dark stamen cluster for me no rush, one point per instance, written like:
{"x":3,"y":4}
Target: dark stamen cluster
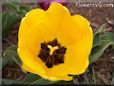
{"x":56,"y":58}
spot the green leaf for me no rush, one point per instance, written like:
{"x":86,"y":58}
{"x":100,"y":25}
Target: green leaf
{"x":11,"y":82}
{"x":108,"y":35}
{"x":17,"y":60}
{"x":0,"y":62}
{"x":9,"y":1}
{"x":8,"y":20}
{"x":100,"y":30}
{"x":22,"y":13}
{"x":107,"y":39}
{"x":64,"y":83}
{"x":97,"y":41}
{"x":30,"y":78}
{"x":98,"y":51}
{"x":12,"y":17}
{"x":13,"y":5}
{"x":102,"y":40}
{"x":97,"y":36}
{"x":113,"y":46}
{"x":94,"y":76}
{"x":43,"y":82}
{"x":112,"y":81}
{"x":27,"y":8}
{"x":8,"y":55}
{"x":47,"y":82}
{"x":0,"y":25}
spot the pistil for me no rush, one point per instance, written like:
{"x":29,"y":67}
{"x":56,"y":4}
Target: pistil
{"x":52,"y":49}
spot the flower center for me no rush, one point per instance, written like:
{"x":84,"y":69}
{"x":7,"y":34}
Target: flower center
{"x":52,"y":53}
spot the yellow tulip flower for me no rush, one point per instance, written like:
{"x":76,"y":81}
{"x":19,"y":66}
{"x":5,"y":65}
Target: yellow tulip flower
{"x":53,"y":44}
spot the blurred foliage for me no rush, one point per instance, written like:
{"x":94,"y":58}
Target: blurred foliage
{"x":11,"y":82}
{"x":102,"y":40}
{"x":12,"y":16}
{"x":9,"y":55}
{"x":29,"y":78}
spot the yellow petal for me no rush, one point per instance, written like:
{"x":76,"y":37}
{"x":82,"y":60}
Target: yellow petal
{"x":33,"y":62}
{"x":77,"y":55}
{"x":55,"y":78}
{"x":72,"y":29}
{"x":48,"y":76}
{"x":35,"y":16}
{"x":33,"y":38}
{"x":69,"y":33}
{"x":23,"y":28}
{"x":31,"y":18}
{"x":34,"y":65}
{"x":29,"y":69}
{"x":56,"y":11}
{"x":59,"y":70}
{"x":26,"y":37}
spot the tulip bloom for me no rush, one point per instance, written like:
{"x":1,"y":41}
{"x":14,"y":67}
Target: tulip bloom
{"x":53,"y":44}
